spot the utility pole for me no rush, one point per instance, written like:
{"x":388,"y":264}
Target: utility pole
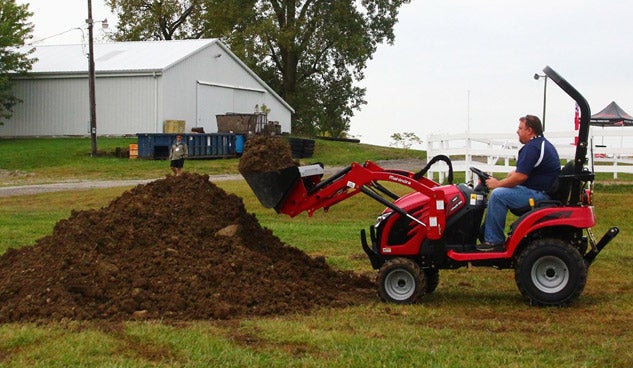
{"x":91,"y":83}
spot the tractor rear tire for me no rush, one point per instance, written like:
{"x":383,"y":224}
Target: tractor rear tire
{"x":401,"y":281}
{"x":550,"y":272}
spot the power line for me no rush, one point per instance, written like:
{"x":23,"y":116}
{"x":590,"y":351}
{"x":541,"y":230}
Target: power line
{"x":59,"y":34}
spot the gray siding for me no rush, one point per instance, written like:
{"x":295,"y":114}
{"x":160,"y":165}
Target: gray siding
{"x":59,"y":106}
{"x":49,"y":107}
{"x":127,"y":105}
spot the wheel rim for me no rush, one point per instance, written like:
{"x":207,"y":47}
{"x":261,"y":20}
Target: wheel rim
{"x":550,"y":274}
{"x":399,"y":285}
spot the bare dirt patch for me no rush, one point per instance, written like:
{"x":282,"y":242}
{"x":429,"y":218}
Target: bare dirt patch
{"x":178,"y":248}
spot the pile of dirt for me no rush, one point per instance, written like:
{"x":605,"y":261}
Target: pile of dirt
{"x":178,"y":248}
{"x":265,"y":154}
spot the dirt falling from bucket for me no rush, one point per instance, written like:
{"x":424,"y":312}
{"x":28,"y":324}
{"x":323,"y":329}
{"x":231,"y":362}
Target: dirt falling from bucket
{"x":178,"y":248}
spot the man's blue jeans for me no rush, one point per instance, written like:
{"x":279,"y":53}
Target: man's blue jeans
{"x":501,"y":199}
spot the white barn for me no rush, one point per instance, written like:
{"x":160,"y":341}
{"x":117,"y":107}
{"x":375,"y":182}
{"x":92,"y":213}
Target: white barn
{"x":139,"y":86}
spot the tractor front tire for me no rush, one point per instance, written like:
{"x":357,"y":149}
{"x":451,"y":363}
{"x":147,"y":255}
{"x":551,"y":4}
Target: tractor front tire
{"x":401,"y":281}
{"x":550,"y":272}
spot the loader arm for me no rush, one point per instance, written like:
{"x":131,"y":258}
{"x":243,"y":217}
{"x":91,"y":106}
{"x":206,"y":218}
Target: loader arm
{"x":309,"y":194}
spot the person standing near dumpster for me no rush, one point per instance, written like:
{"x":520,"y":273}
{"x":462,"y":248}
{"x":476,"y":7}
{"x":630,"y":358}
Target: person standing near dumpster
{"x":177,"y":155}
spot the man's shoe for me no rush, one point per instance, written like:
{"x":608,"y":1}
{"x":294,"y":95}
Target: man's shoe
{"x":488,"y":246}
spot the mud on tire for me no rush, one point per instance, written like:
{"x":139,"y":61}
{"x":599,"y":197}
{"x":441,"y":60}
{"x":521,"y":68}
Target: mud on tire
{"x":401,"y":281}
{"x":550,"y":272}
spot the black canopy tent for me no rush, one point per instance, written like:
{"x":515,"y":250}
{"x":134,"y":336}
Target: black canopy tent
{"x":612,"y":115}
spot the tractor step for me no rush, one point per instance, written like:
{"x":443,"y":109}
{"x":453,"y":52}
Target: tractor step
{"x":463,"y":248}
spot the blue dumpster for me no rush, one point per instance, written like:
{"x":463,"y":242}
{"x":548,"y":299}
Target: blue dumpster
{"x":239,"y":143}
{"x":199,"y":145}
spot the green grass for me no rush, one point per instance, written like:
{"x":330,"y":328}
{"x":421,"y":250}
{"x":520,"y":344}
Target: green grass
{"x":45,"y":160}
{"x":476,"y":318}
{"x":337,"y":153}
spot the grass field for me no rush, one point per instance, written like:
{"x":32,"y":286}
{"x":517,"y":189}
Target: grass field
{"x":45,"y":160}
{"x":476,"y":318}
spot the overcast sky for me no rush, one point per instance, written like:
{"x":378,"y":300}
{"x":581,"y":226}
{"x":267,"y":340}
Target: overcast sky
{"x":459,"y":64}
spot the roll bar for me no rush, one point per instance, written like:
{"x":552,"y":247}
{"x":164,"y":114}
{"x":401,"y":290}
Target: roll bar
{"x":580,"y":157}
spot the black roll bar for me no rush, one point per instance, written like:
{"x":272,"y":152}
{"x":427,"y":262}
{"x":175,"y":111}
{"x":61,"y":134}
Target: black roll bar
{"x":583,"y":132}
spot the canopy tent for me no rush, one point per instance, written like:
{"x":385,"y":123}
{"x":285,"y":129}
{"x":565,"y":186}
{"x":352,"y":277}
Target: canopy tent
{"x":612,"y":115}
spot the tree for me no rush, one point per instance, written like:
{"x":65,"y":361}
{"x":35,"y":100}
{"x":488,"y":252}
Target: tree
{"x":15,"y":30}
{"x":312,"y":52}
{"x":142,"y":20}
{"x":404,"y":140}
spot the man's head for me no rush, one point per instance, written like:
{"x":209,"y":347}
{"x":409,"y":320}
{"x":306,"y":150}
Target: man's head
{"x":178,"y":137}
{"x":529,"y":127}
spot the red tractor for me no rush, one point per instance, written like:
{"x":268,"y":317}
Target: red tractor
{"x":550,"y":246}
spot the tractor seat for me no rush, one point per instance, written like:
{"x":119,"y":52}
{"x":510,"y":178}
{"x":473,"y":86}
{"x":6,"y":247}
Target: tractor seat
{"x":558,"y":194}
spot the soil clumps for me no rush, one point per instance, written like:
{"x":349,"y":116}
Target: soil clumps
{"x":265,"y":154}
{"x":178,"y":248}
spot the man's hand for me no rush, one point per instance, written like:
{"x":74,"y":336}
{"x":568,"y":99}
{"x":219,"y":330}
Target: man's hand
{"x":492,"y":183}
{"x":513,"y":179}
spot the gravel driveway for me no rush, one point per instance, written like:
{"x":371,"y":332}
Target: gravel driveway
{"x":95,"y":184}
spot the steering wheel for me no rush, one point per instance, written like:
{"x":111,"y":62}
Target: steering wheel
{"x":482,"y":175}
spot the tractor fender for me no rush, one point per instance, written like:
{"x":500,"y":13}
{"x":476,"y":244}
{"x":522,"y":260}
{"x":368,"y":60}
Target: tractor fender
{"x":580,"y":217}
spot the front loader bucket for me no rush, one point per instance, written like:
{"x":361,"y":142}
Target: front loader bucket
{"x":272,"y":188}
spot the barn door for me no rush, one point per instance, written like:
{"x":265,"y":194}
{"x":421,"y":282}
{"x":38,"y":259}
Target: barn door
{"x":215,"y":100}
{"x":212,"y":101}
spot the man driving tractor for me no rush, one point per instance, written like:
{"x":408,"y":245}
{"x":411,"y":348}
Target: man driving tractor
{"x":433,"y":226}
{"x":537,"y":168}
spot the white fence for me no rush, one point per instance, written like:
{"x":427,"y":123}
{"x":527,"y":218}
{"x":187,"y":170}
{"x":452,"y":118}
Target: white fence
{"x":493,"y":152}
